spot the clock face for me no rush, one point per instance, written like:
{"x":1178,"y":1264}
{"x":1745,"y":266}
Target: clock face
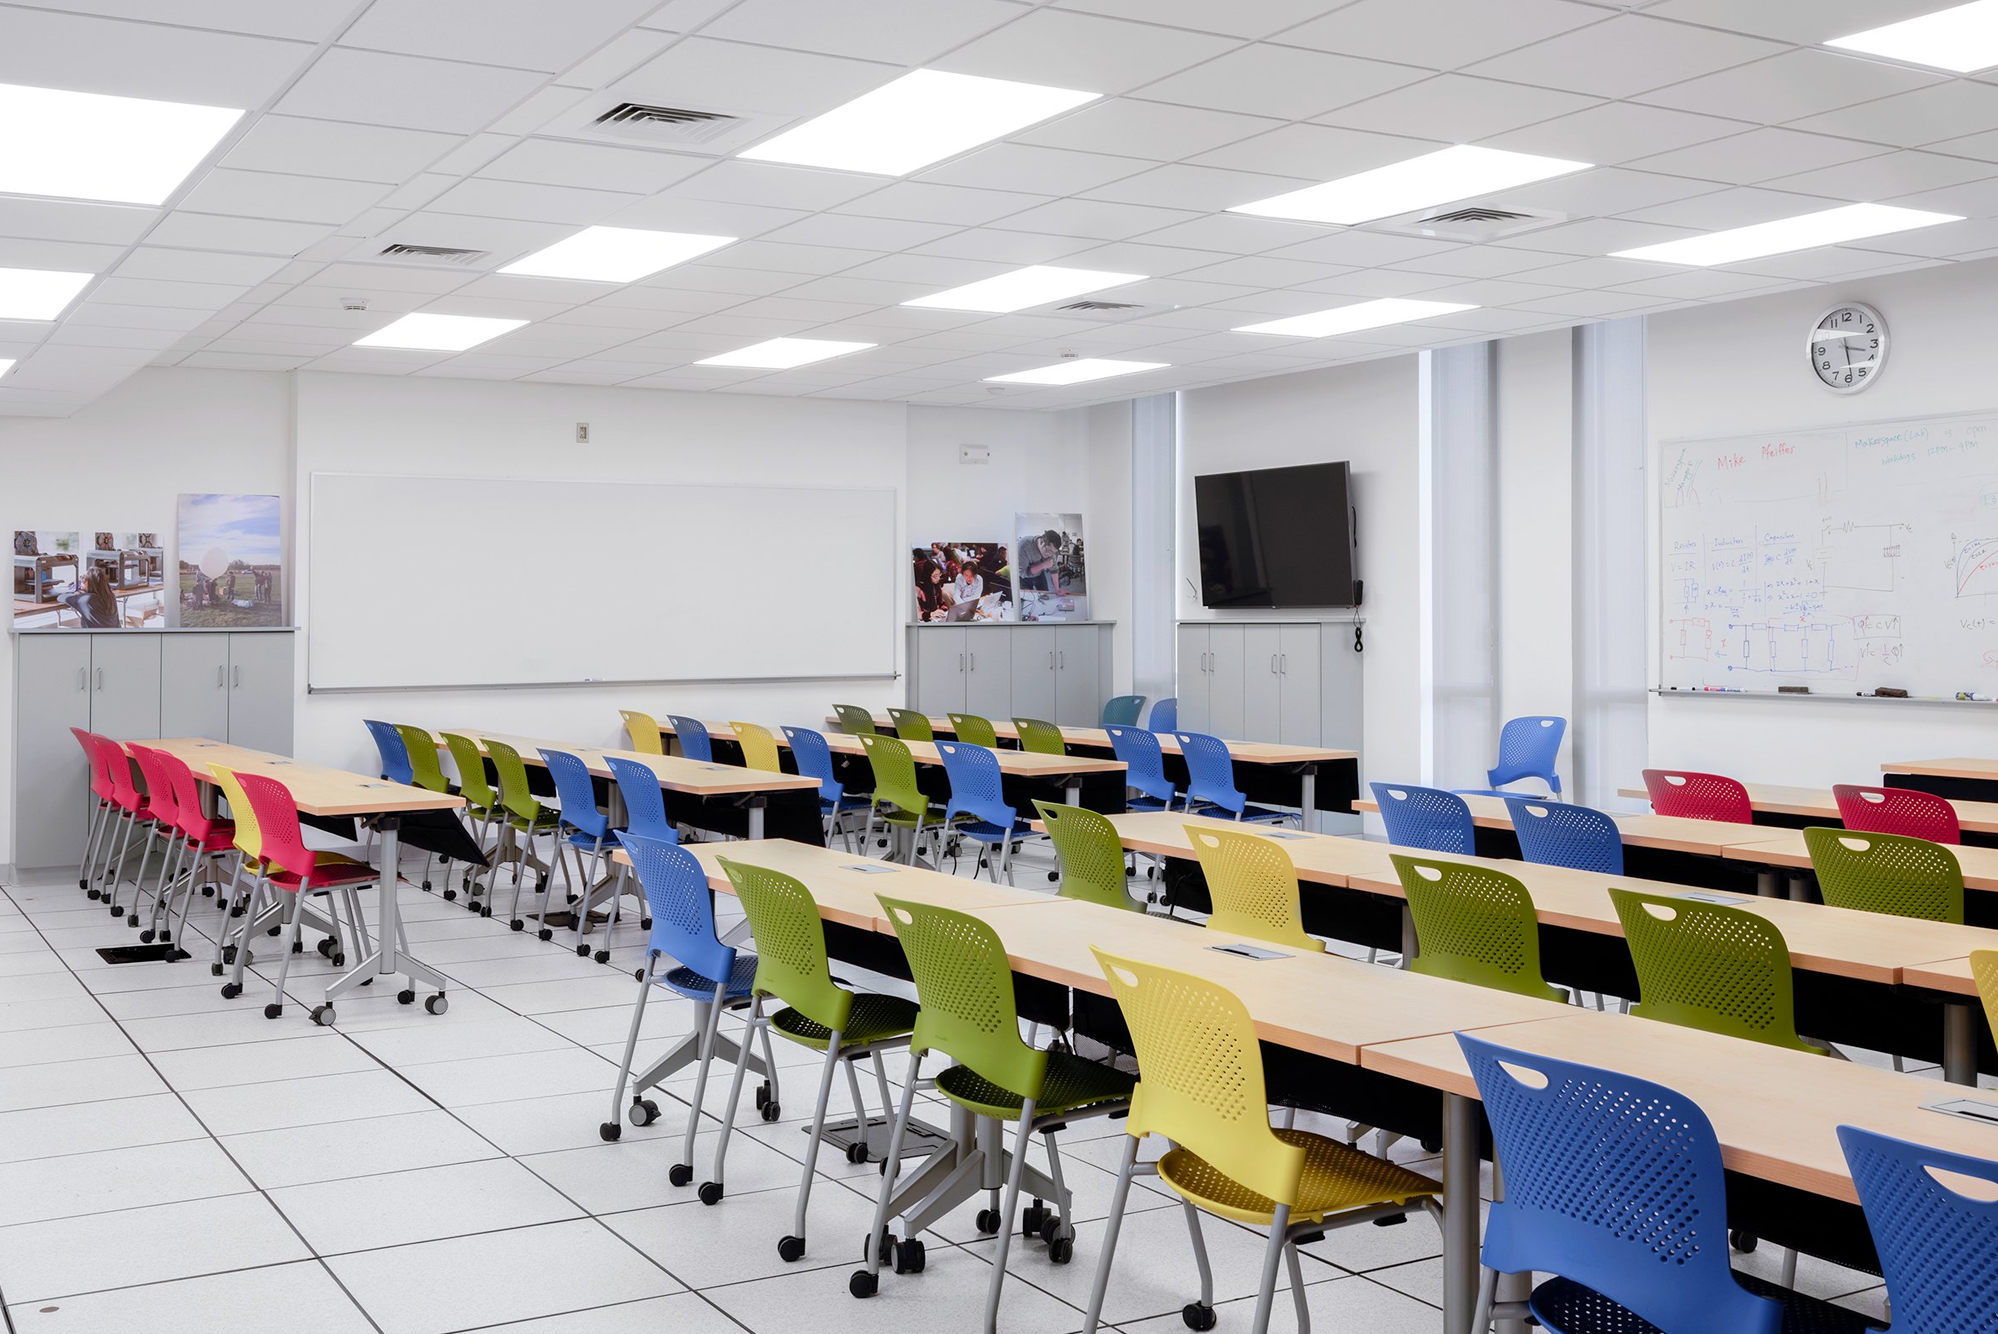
{"x":1848,"y":347}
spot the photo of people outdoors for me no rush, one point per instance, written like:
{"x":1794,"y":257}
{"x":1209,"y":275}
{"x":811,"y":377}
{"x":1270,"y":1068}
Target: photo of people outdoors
{"x":963,"y":581}
{"x":1048,"y":568}
{"x":231,"y":561}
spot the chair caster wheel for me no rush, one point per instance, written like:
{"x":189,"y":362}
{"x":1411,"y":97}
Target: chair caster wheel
{"x":645,"y":924}
{"x":132,"y":919}
{"x":1061,"y":1250}
{"x":856,"y":1152}
{"x":582,"y":951}
{"x":274,"y":931}
{"x":208,"y":891}
{"x":337,"y":960}
{"x":1197,"y":1316}
{"x":638,"y":974}
{"x":1053,"y":876}
{"x":1050,"y":1229}
{"x":516,"y":925}
{"x":298,"y":947}
{"x":405,"y":997}
{"x":94,"y":896}
{"x":772,"y":1110}
{"x":988,"y":1221}
{"x":146,"y":936}
{"x":609,"y":1132}
{"x":863,"y":1284}
{"x":230,"y":991}
{"x":116,"y":911}
{"x":215,"y":970}
{"x":273,"y":1010}
{"x":602,"y":956}
{"x":437,"y":1004}
{"x":1745,"y":1242}
{"x":1031,"y":1219}
{"x":228,"y":954}
{"x":763,"y":1095}
{"x":909,"y":1256}
{"x":711,"y":1192}
{"x":485,"y":910}
{"x":643,"y":1112}
{"x":325,"y":947}
{"x":680,"y":1174}
{"x":545,"y":933}
{"x":1432,"y":1145}
{"x":790,"y":1249}
{"x":450,"y":895}
{"x":426,"y":887}
{"x":323,"y":1016}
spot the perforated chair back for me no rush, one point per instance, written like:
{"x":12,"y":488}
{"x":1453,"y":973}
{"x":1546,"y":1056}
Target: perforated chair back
{"x":394,"y":754}
{"x":282,"y":841}
{"x":1088,"y":853}
{"x":1614,"y":1183}
{"x":759,"y":747}
{"x":1144,"y":763}
{"x":974,"y":730}
{"x":1553,"y":833}
{"x":1427,"y":818}
{"x":1040,"y":737}
{"x":1473,"y":924}
{"x":894,"y":774}
{"x":814,"y":760}
{"x":1709,"y":966}
{"x":118,"y":769}
{"x":577,"y":792}
{"x":1697,"y":796}
{"x":1210,"y":772}
{"x":1527,"y":749}
{"x":975,"y":786}
{"x":195,"y":822}
{"x":1887,"y":873}
{"x":911,"y":725}
{"x":965,"y":988}
{"x":249,"y":839}
{"x":683,"y":914}
{"x":100,"y":776}
{"x":642,"y":730}
{"x":644,"y":800}
{"x":1200,"y":1081}
{"x":790,"y":944}
{"x":1897,"y":810}
{"x":1165,"y":715}
{"x":1938,"y":1246}
{"x":159,"y":788}
{"x":515,"y":794}
{"x":854,"y":720}
{"x":695,"y":743}
{"x":1984,"y":971}
{"x":424,"y":769}
{"x":1122,"y":710}
{"x":1253,"y":886}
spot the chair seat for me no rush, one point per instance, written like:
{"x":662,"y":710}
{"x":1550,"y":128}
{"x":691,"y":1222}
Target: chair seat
{"x":1252,"y":814}
{"x":1336,"y":1178}
{"x":1147,"y":803}
{"x":1071,"y":1082}
{"x":696,"y":987}
{"x":1500,"y":792}
{"x":332,"y":868}
{"x":872,"y":1019}
{"x":545,"y":820}
{"x":221,"y":837}
{"x":908,"y":818}
{"x":846,"y":803}
{"x":590,"y":842}
{"x":987,"y":832}
{"x":1565,"y":1307}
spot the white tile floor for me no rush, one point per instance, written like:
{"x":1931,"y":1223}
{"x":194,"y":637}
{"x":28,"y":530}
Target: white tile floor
{"x":174,"y":1162}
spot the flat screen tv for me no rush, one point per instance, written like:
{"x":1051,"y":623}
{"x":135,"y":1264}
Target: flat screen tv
{"x":1277,"y":537}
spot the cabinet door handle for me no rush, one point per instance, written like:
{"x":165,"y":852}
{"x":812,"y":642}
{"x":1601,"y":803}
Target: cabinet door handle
{"x":974,"y":662}
{"x":239,"y":677}
{"x":1284,"y":660}
{"x":83,"y":678}
{"x":1051,"y":660}
{"x":100,"y":678}
{"x":960,"y":662}
{"x":1063,"y":660}
{"x":1273,"y":658}
{"x":221,"y":677}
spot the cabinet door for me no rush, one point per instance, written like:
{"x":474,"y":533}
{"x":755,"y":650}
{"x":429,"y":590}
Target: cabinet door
{"x":51,"y":776}
{"x":1078,"y":689}
{"x":988,"y":679}
{"x":125,"y":685}
{"x":939,"y":670}
{"x":1034,"y":650}
{"x":194,"y":686}
{"x":1226,"y":674}
{"x":1301,"y":683}
{"x":1191,"y":678}
{"x":1260,"y":721}
{"x":260,"y":692}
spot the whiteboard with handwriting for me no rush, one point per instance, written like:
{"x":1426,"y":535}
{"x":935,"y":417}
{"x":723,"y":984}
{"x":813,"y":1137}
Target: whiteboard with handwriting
{"x":1839,"y":558}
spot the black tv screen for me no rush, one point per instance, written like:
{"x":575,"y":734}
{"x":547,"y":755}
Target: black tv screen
{"x":1276,"y":537}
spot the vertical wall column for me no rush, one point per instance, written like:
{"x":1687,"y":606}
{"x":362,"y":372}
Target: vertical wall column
{"x":1154,"y":465}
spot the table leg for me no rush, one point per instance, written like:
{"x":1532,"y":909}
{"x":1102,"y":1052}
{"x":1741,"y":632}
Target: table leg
{"x":1308,"y":817}
{"x":1072,"y":790}
{"x":1959,"y":1043}
{"x":1460,"y":1212}
{"x":756,"y":806}
{"x":389,"y":957}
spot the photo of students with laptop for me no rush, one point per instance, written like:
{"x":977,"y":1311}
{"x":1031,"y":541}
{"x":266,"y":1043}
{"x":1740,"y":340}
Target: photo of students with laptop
{"x":963,"y":581}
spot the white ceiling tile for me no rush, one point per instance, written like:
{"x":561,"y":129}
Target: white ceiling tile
{"x":1243,"y":18}
{"x":301,"y":20}
{"x":156,"y":292}
{"x":801,"y":314}
{"x":1132,"y":127}
{"x":17,"y":252}
{"x":1029,"y":167}
{"x":1976,"y":199}
{"x":376,"y":88}
{"x":55,"y":220}
{"x":531,"y":203}
{"x":1798,"y":83}
{"x":859,"y":290}
{"x":1316,"y":152}
{"x":768,"y":183}
{"x":1367,"y":284}
{"x":1094,"y":218}
{"x":1497,"y":321}
{"x":1139,"y":257}
{"x":330,"y":148}
{"x":1457,"y":108}
{"x":934,"y":272}
{"x":1741,"y":206}
{"x":830,"y":229}
{"x":88,"y":54}
{"x":779,"y":257}
{"x":901,"y":32}
{"x":1086,"y":52}
{"x":325,"y":306}
{"x":1595,"y":236}
{"x":1757,"y":156}
{"x":542,"y":109}
{"x":415,"y":192}
{"x":921,"y":202}
{"x":715,"y":278}
{"x":1265,"y":271}
{"x":536,"y":291}
{"x":377,"y":360}
{"x":1479,"y":261}
{"x":136,"y":317}
{"x":261,"y":194}
{"x":506,"y":238}
{"x":1824,"y":263}
{"x":1182,"y":292}
{"x":1615,"y":133}
{"x":1941,"y":111}
{"x":1595,"y":305}
{"x":204,"y":266}
{"x":88,"y":335}
{"x":1818,"y":21}
{"x":1351,"y":246}
{"x":1957,"y":240}
{"x":527,"y":34}
{"x":1887,"y":176}
{"x":1628,"y":54}
{"x":592,"y":166}
{"x":1202,"y":189}
{"x":1493,"y":292}
{"x":250,"y":236}
{"x":1602,"y":191}
{"x":707,"y":217}
{"x":394,"y":277}
{"x":1281,"y":81}
{"x":474,"y":152}
{"x":1009,"y":248}
{"x":1600,"y":271}
{"x":1438,"y":34}
{"x":616,"y":58}
{"x":1698,"y":285}
{"x":736,"y":77}
{"x":1234,"y":234}
{"x":666,"y":299}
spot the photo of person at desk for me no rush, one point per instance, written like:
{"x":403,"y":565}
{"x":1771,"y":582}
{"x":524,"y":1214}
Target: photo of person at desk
{"x":1040,"y":563}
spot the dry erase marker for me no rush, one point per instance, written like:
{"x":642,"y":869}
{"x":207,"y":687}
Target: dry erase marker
{"x":1973,"y":695}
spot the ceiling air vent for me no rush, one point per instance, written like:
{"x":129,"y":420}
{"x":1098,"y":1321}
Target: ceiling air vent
{"x":1466,"y":215}
{"x":1100,"y":305}
{"x":1471,"y":223}
{"x":669,"y":125}
{"x":433,"y":254}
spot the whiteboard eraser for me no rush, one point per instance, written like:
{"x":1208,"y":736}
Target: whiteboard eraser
{"x":1890,"y":692}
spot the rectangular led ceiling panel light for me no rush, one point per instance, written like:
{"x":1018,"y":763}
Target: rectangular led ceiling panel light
{"x":615,"y":254}
{"x":1401,"y":187}
{"x":1035,"y":285}
{"x":38,"y":294}
{"x":920,"y":118}
{"x":1962,"y":39}
{"x":781,"y":354}
{"x":124,"y":150}
{"x":6,"y":364}
{"x":1077,"y":371}
{"x":1352,"y":319}
{"x":439,"y":333}
{"x":1854,"y":222}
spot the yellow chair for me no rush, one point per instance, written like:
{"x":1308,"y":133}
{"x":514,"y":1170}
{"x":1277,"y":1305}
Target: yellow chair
{"x":643,"y":730}
{"x":1253,"y":886}
{"x":759,"y":747}
{"x":1984,"y":967}
{"x":1200,"y":1085}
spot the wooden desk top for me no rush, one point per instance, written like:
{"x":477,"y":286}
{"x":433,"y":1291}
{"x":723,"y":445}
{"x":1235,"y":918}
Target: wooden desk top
{"x":1817,"y":803}
{"x":1668,"y":832}
{"x":1950,"y":975}
{"x":1248,"y":752}
{"x":676,"y":773}
{"x":1785,"y":847}
{"x":316,"y":789}
{"x":1024,"y":763}
{"x":1775,"y":1112}
{"x":1955,"y":766}
{"x":1325,"y":859}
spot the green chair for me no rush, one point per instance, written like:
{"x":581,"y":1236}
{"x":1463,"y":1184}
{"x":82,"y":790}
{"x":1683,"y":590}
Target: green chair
{"x":1709,"y":966}
{"x":425,"y":772}
{"x":525,"y":817}
{"x":1887,"y":873}
{"x":1473,"y":925}
{"x":1042,"y":738}
{"x":898,"y":799}
{"x":965,"y":987}
{"x":1089,"y":853}
{"x":482,"y":806}
{"x":854,"y":720}
{"x":792,"y":969}
{"x":1253,"y":887}
{"x":911,"y":725}
{"x":973,"y":730}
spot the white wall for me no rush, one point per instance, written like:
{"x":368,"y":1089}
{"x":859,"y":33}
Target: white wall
{"x":1741,"y":368}
{"x":1535,"y":619}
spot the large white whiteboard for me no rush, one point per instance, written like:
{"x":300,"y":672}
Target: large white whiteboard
{"x":1842,"y":559}
{"x":458,"y":581}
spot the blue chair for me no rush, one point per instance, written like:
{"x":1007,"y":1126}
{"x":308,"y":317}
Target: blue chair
{"x":394,"y":753}
{"x":1165,"y":715}
{"x":1210,"y":779}
{"x":1938,"y":1248}
{"x":1426,"y":817}
{"x":583,"y":829}
{"x":1144,"y":768}
{"x":977,"y":807}
{"x":1614,"y":1185}
{"x":814,"y":758}
{"x":1123,"y":710}
{"x":694,"y":741}
{"x":644,"y":801}
{"x":712,"y":975}
{"x":1527,"y":748}
{"x":1554,"y":833}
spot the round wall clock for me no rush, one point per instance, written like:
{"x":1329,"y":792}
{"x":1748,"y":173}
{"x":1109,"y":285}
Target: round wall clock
{"x":1848,"y":347}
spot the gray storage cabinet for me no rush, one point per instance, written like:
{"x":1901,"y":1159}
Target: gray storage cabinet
{"x":1294,"y":682}
{"x":1000,"y":670}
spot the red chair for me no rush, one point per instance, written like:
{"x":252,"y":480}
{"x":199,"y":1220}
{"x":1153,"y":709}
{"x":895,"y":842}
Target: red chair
{"x":1897,"y":810}
{"x":132,"y":807}
{"x":296,"y":869}
{"x":1696,"y":796}
{"x":165,"y":830}
{"x":100,"y":814}
{"x":200,"y":834}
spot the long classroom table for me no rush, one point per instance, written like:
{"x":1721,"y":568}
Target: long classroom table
{"x":1788,"y":807}
{"x":1958,"y":777}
